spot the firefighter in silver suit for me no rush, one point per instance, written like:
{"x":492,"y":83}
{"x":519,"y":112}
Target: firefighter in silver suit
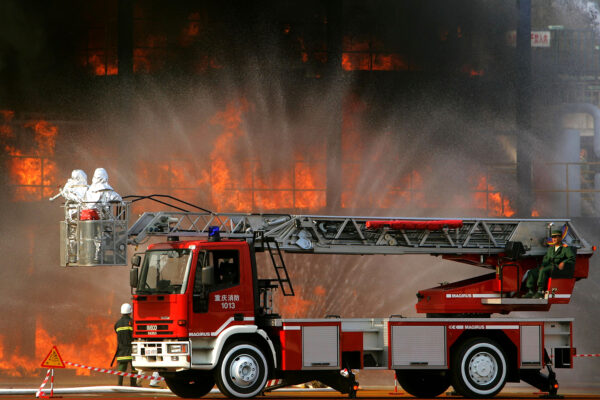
{"x":100,"y":194}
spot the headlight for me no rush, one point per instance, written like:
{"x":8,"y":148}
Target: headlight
{"x":134,"y":349}
{"x":177,"y":348}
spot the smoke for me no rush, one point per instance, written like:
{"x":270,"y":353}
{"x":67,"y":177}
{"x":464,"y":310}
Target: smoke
{"x":254,"y":135}
{"x":585,"y":12}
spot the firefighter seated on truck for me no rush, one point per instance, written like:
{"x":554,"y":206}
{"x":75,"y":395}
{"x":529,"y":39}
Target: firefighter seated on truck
{"x":559,"y":262}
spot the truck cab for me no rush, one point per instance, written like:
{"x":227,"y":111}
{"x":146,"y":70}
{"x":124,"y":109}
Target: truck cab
{"x":190,"y":289}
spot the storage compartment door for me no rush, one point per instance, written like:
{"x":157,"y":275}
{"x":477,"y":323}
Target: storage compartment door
{"x":531,"y":346}
{"x":320,"y":347}
{"x":418,"y":347}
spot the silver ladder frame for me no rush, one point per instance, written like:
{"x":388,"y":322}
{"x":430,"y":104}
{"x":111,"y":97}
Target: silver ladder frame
{"x":319,"y":234}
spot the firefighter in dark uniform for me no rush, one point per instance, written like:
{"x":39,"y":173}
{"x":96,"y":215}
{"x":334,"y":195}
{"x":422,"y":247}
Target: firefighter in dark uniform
{"x":124,"y":330}
{"x":559,"y":262}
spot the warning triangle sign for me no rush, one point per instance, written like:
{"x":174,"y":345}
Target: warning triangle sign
{"x":53,"y":359}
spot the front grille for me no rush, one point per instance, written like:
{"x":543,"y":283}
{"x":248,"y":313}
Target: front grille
{"x":153,"y":327}
{"x":155,"y":321}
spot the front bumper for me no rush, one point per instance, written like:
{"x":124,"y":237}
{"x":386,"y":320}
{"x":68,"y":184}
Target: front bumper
{"x":160,"y":355}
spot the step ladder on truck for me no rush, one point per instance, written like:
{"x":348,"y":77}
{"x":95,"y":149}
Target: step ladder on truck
{"x":202,"y":316}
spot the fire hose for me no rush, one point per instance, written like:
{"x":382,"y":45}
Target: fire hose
{"x":113,"y":372}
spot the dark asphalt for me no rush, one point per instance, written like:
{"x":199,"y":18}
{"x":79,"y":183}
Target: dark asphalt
{"x":364,"y":394}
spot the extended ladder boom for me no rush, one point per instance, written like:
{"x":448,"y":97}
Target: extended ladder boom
{"x":363,"y":235}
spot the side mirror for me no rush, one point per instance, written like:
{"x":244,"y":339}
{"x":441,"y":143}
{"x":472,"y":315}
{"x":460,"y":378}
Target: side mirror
{"x":208,"y":275}
{"x":136,"y":261}
{"x":133,"y":277}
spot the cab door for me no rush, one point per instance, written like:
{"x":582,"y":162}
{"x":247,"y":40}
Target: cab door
{"x":228,"y":300}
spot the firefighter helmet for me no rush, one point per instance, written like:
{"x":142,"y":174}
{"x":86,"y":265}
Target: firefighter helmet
{"x":126,"y":308}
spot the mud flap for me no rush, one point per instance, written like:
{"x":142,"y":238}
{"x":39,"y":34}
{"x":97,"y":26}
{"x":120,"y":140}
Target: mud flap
{"x":544,"y":382}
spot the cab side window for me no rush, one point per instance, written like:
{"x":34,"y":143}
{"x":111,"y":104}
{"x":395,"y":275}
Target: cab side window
{"x":226,"y":264}
{"x":227,"y":268}
{"x":202,"y":261}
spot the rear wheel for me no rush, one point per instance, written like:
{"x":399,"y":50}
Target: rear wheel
{"x":423,"y":383}
{"x":479,"y":368}
{"x":189,"y":385}
{"x":242,"y":371}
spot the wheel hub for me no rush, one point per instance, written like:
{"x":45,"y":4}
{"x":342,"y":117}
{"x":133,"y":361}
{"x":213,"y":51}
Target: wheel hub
{"x":244,"y":371}
{"x":483,"y":368}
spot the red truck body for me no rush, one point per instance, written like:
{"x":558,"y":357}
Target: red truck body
{"x":425,"y":352}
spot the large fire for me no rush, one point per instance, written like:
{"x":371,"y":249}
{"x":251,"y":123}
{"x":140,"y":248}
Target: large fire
{"x":234,"y":184}
{"x":92,"y":345}
{"x":230,"y":183}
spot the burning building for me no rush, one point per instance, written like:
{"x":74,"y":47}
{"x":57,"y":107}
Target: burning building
{"x":380,"y":108}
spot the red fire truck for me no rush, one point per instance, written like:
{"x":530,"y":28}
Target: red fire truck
{"x":203,"y":316}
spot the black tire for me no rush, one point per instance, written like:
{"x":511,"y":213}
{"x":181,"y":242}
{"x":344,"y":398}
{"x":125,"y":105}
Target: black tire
{"x":242,"y":370}
{"x":479,"y":368}
{"x":423,"y":383}
{"x":191,"y":386}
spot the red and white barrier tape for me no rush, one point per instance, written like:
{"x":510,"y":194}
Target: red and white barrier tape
{"x":273,"y":382}
{"x":110,"y":371}
{"x":40,"y":392}
{"x":586,"y":355}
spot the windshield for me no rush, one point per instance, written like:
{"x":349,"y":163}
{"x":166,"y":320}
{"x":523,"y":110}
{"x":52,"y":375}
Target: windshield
{"x":164,"y":271}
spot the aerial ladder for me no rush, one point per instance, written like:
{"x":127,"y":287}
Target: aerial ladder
{"x":507,"y":248}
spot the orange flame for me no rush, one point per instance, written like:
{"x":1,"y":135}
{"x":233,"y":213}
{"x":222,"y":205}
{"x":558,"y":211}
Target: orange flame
{"x":15,"y":364}
{"x":223,"y":179}
{"x":310,"y":184}
{"x":150,"y":57}
{"x":32,"y":172}
{"x":487,"y":197}
{"x":469,"y":70}
{"x":235,"y":182}
{"x":240,"y":184}
{"x":191,"y":30}
{"x":294,"y":307}
{"x":93,"y":345}
{"x":367,"y":55}
{"x":319,"y":291}
{"x":98,"y":63}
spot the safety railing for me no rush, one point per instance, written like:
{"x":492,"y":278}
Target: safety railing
{"x":570,"y":189}
{"x":94,"y":234}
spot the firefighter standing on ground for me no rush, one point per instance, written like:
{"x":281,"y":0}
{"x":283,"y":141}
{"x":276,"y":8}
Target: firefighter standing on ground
{"x":124,"y":330}
{"x":558,"y":262}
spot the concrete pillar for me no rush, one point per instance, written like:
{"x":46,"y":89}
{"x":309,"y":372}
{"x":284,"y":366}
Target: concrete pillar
{"x":523,"y":111}
{"x":597,"y":194}
{"x":566,"y":150}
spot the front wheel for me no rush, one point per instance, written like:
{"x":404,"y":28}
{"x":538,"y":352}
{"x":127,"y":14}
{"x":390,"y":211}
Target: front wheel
{"x":242,"y":371}
{"x":423,"y":383}
{"x":479,"y":368}
{"x":189,"y":385}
